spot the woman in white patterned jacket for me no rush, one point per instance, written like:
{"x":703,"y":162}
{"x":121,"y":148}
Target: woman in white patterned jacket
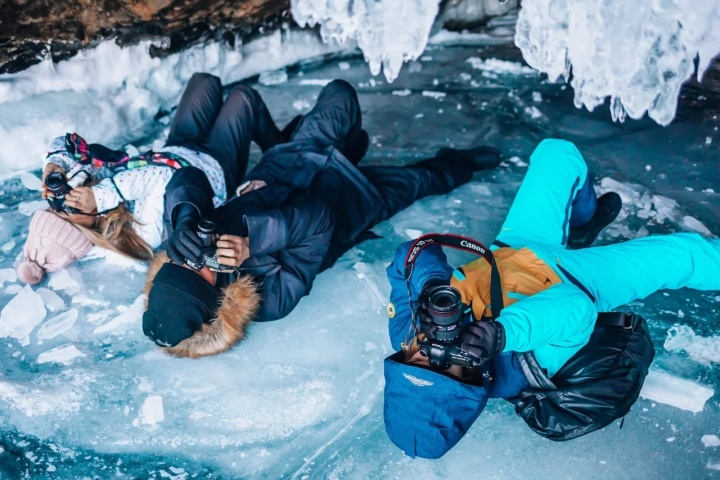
{"x":208,"y":143}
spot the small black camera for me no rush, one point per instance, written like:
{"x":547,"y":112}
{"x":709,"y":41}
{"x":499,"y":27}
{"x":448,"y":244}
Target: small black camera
{"x":58,"y":185}
{"x":206,"y":231}
{"x":442,"y":306}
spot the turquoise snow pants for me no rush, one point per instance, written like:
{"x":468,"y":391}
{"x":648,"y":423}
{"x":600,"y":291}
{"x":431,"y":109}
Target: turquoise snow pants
{"x":615,"y":274}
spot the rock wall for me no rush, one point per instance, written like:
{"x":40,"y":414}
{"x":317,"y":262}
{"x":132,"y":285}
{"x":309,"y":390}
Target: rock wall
{"x":34,"y":29}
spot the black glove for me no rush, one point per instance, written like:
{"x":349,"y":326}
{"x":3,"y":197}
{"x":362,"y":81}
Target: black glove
{"x":184,"y":244}
{"x":483,"y":340}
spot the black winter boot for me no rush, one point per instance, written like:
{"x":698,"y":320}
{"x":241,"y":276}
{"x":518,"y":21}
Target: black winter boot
{"x":478,"y":158}
{"x":608,"y":208}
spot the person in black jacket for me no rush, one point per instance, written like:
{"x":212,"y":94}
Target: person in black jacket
{"x":298,"y":210}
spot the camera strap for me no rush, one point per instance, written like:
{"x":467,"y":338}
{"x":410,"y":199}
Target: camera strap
{"x":466,"y":244}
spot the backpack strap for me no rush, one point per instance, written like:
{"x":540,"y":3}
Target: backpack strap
{"x":626,"y":320}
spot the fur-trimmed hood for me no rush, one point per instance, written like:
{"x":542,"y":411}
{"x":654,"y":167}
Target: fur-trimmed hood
{"x":239,"y":304}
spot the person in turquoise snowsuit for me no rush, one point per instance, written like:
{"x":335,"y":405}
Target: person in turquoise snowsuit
{"x":552,"y":317}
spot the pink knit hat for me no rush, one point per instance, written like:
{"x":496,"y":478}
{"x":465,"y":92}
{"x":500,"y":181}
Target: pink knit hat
{"x":52,"y":244}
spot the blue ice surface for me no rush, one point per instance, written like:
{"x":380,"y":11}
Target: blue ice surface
{"x":302,"y":397}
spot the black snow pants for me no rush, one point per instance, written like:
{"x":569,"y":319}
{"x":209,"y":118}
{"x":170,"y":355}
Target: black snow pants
{"x":223,"y":130}
{"x":336,"y":120}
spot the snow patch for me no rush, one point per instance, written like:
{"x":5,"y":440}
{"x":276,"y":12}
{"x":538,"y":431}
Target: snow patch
{"x":106,"y":108}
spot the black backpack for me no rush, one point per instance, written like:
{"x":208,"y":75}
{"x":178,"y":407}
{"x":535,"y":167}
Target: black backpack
{"x":595,"y":387}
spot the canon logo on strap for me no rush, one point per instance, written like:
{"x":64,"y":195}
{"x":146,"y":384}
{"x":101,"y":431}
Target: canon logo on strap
{"x":467,"y":244}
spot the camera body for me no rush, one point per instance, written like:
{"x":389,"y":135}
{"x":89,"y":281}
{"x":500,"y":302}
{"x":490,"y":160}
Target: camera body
{"x":442,"y":310}
{"x":206,"y":231}
{"x":58,"y":185}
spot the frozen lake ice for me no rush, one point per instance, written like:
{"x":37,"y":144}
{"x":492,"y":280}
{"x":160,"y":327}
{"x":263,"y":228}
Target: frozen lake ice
{"x":84,"y":394}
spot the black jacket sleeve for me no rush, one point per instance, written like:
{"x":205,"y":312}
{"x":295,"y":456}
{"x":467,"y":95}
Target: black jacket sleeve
{"x":188,"y":189}
{"x":298,"y":238}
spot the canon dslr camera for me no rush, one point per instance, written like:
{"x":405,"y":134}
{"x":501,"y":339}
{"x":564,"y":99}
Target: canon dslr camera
{"x":442,"y":315}
{"x":206,"y":232}
{"x":58,"y":185}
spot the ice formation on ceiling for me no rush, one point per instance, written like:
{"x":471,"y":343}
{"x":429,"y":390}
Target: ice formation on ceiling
{"x":637,"y":53}
{"x":389,"y":32}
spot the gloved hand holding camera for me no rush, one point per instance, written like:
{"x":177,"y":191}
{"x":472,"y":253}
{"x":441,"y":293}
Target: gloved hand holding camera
{"x":483,"y":340}
{"x":446,"y":340}
{"x":184,"y":243}
{"x":196,"y":243}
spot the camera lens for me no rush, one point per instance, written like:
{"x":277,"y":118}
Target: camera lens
{"x":444,"y":308}
{"x":206,"y":227}
{"x":57,"y":183}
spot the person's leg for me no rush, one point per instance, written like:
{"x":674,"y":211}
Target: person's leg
{"x":196,"y":111}
{"x":400,"y":187}
{"x":619,"y":274}
{"x":334,"y":121}
{"x":543,"y":206}
{"x":243,"y":118}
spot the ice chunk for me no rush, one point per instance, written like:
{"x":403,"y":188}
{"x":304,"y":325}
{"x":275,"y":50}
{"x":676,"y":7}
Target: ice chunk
{"x":131,"y":316}
{"x":590,"y":39}
{"x":13,"y":289}
{"x":57,"y":325}
{"x":500,"y":66}
{"x":29,"y":208}
{"x":710,"y":440}
{"x":152,"y":411}
{"x":7,"y":275}
{"x":316,"y":82}
{"x":301,"y":105}
{"x":413,"y":233}
{"x":274,"y":77}
{"x":701,"y":349}
{"x":63,"y":354}
{"x":388,"y":32}
{"x":30,"y":181}
{"x":695,"y":225}
{"x":402,"y":93}
{"x":52,"y":300}
{"x":7,"y":246}
{"x":64,"y":282}
{"x":22,"y":314}
{"x":678,"y":392}
{"x":435,"y":95}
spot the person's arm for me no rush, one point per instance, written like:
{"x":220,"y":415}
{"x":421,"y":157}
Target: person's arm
{"x":135,"y":184}
{"x":550,"y":317}
{"x":298,"y":236}
{"x":431,"y":265}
